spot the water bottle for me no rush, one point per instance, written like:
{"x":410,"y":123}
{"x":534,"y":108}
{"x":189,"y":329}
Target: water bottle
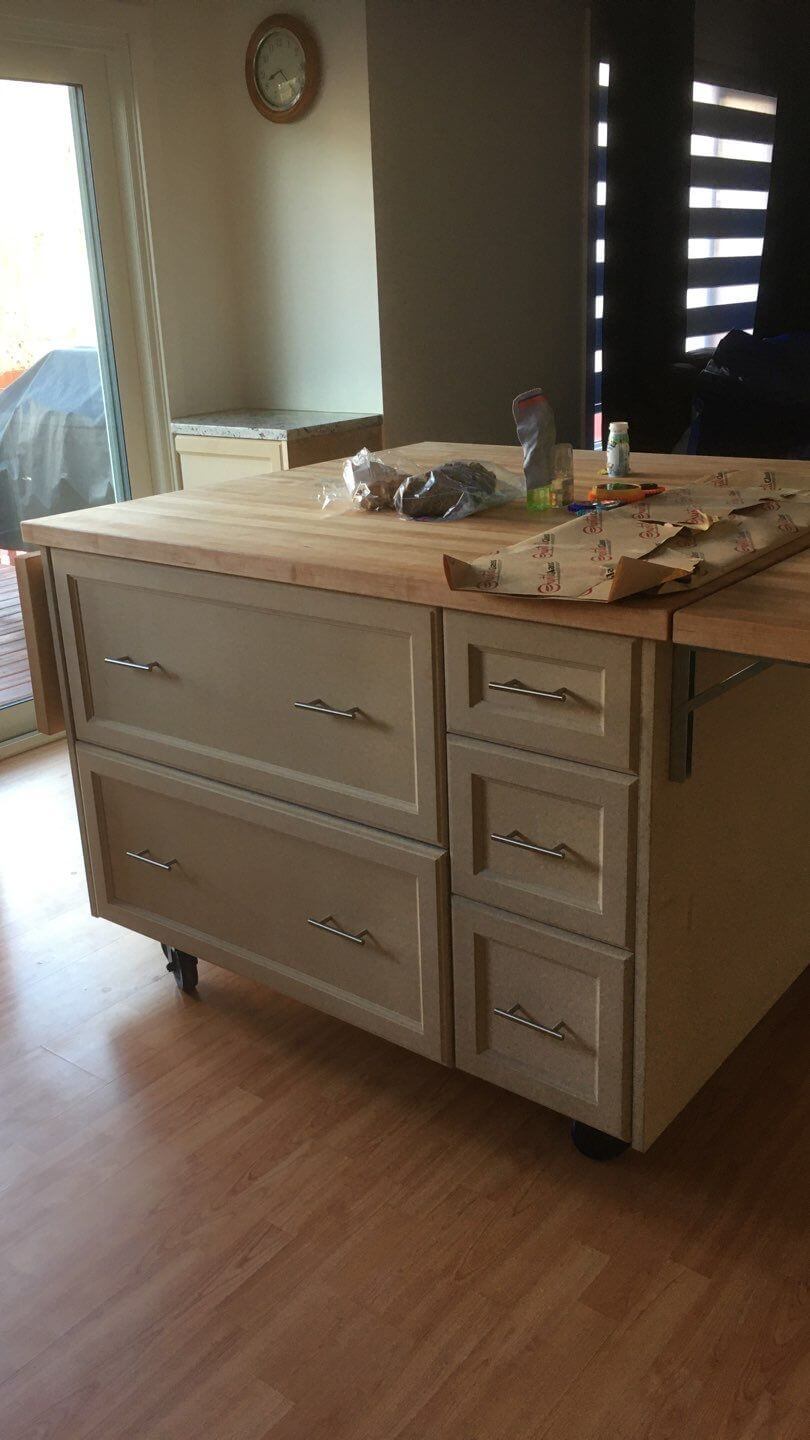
{"x":618,"y":449}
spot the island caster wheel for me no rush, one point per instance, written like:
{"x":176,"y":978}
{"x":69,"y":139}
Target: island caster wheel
{"x":183,"y":967}
{"x":595,"y":1143}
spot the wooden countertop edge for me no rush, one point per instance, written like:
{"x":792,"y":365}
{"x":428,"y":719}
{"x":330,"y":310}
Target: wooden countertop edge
{"x":718,"y":633}
{"x":629,"y":618}
{"x":640,"y":618}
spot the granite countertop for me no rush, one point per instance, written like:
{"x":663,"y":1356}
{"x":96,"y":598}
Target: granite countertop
{"x":270,"y":424}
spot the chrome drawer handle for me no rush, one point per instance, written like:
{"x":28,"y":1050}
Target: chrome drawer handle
{"x":325,"y":709}
{"x":515,"y":838}
{"x":128,"y":664}
{"x":334,"y":929}
{"x":146,"y":859}
{"x":556,"y":1030}
{"x":516,"y":688}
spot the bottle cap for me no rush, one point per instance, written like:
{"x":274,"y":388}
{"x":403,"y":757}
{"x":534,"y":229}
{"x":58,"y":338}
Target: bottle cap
{"x":619,"y":425}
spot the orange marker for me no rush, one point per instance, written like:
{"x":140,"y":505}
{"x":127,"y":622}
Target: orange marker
{"x":631,"y":496}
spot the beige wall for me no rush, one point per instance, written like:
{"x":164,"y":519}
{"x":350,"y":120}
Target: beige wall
{"x":263,"y":234}
{"x":266,"y":253}
{"x":478,"y":135}
{"x":266,"y":232}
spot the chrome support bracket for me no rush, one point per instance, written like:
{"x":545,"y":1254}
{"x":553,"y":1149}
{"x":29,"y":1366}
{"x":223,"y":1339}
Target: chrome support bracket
{"x":684,"y":702}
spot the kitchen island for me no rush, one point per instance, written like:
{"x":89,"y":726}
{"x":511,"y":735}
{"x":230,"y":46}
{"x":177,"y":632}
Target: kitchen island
{"x":463,"y":821}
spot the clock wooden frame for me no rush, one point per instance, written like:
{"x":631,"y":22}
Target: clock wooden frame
{"x":312,"y":58}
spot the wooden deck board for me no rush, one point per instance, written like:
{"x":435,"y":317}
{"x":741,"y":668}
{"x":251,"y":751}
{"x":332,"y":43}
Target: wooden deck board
{"x":15,"y":678}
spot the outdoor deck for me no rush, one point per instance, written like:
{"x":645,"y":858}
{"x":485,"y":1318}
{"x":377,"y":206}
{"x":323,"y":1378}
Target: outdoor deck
{"x":15,"y":681}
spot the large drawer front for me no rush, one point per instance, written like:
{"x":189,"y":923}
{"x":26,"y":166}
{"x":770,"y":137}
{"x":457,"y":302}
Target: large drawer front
{"x":568,"y":693}
{"x":246,"y":877}
{"x":545,"y":838}
{"x":233,"y":661}
{"x":563,"y":1036}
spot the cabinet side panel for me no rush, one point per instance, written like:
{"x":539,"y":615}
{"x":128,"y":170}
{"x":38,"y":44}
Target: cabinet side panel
{"x":729,"y":877}
{"x":67,"y":715}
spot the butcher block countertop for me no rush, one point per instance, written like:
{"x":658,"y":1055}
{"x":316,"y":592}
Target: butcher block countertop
{"x":767,"y":615}
{"x":278,"y":531}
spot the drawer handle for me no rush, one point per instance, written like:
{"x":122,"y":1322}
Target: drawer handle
{"x":128,"y":664}
{"x":329,"y":925}
{"x":146,"y":859}
{"x":516,"y":688}
{"x":555,"y":1030}
{"x":325,"y":709}
{"x":515,"y":838}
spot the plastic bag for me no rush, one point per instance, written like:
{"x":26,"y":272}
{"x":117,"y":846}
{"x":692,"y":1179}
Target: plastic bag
{"x":455,"y":489}
{"x":450,"y":490}
{"x":370,"y":481}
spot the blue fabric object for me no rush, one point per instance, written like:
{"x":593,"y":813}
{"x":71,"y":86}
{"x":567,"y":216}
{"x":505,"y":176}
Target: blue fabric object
{"x":54,"y":452}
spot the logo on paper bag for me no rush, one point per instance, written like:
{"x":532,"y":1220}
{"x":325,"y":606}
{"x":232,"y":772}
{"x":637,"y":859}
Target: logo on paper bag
{"x":549,"y":579}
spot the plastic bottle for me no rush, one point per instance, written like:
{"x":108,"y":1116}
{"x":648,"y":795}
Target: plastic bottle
{"x":618,"y":449}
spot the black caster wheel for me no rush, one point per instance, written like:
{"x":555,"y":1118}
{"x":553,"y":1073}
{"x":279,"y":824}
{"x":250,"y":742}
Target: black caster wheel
{"x":595,"y":1143}
{"x":182,"y":966}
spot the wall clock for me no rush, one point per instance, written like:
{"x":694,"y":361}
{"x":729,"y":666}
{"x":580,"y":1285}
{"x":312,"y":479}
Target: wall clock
{"x":282,"y":68}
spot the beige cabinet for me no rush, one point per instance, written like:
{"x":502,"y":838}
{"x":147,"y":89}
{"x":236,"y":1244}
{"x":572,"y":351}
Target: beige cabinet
{"x":544,"y":1013}
{"x":543,"y":837}
{"x":350,"y":921}
{"x":210,"y":458}
{"x":264,"y":777}
{"x":539,"y":687}
{"x":325,"y":700}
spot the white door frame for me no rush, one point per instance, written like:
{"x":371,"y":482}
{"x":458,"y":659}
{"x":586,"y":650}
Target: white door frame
{"x":100,"y":61}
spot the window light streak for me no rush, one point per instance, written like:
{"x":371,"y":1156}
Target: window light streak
{"x":703,"y":198}
{"x":720,"y":148}
{"x":708,"y":342}
{"x":604,"y":72}
{"x":722,"y":247}
{"x":700,"y":296}
{"x":733,"y":99}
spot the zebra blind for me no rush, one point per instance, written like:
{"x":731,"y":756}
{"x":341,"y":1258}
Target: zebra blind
{"x":732,"y":148}
{"x":597,"y":232}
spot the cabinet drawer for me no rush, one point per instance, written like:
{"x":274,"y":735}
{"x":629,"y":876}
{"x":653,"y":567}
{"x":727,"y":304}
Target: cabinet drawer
{"x":246,"y":879}
{"x":543,"y":837}
{"x":233,"y":661}
{"x":577,"y":989}
{"x":596,"y":676}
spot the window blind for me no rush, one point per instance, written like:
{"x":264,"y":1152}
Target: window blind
{"x":732,"y":149}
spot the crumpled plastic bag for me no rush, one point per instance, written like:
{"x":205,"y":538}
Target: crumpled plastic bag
{"x":449,"y":490}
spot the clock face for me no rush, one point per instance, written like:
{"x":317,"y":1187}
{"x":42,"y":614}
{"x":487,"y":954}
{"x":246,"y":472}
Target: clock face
{"x":280,"y":69}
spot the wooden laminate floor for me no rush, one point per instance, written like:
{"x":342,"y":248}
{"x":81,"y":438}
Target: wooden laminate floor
{"x":231,"y":1218}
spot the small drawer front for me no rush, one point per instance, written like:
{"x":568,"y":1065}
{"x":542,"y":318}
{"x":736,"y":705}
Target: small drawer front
{"x":539,"y":687}
{"x":543,"y":1014}
{"x":345,"y":920}
{"x":542,"y":837}
{"x":321,"y":699}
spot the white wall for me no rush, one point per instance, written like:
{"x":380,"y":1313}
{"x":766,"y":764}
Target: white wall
{"x":478,"y":122}
{"x":266,"y":251}
{"x":266,"y":235}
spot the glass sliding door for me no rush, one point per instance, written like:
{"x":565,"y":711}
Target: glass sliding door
{"x":62,"y":434}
